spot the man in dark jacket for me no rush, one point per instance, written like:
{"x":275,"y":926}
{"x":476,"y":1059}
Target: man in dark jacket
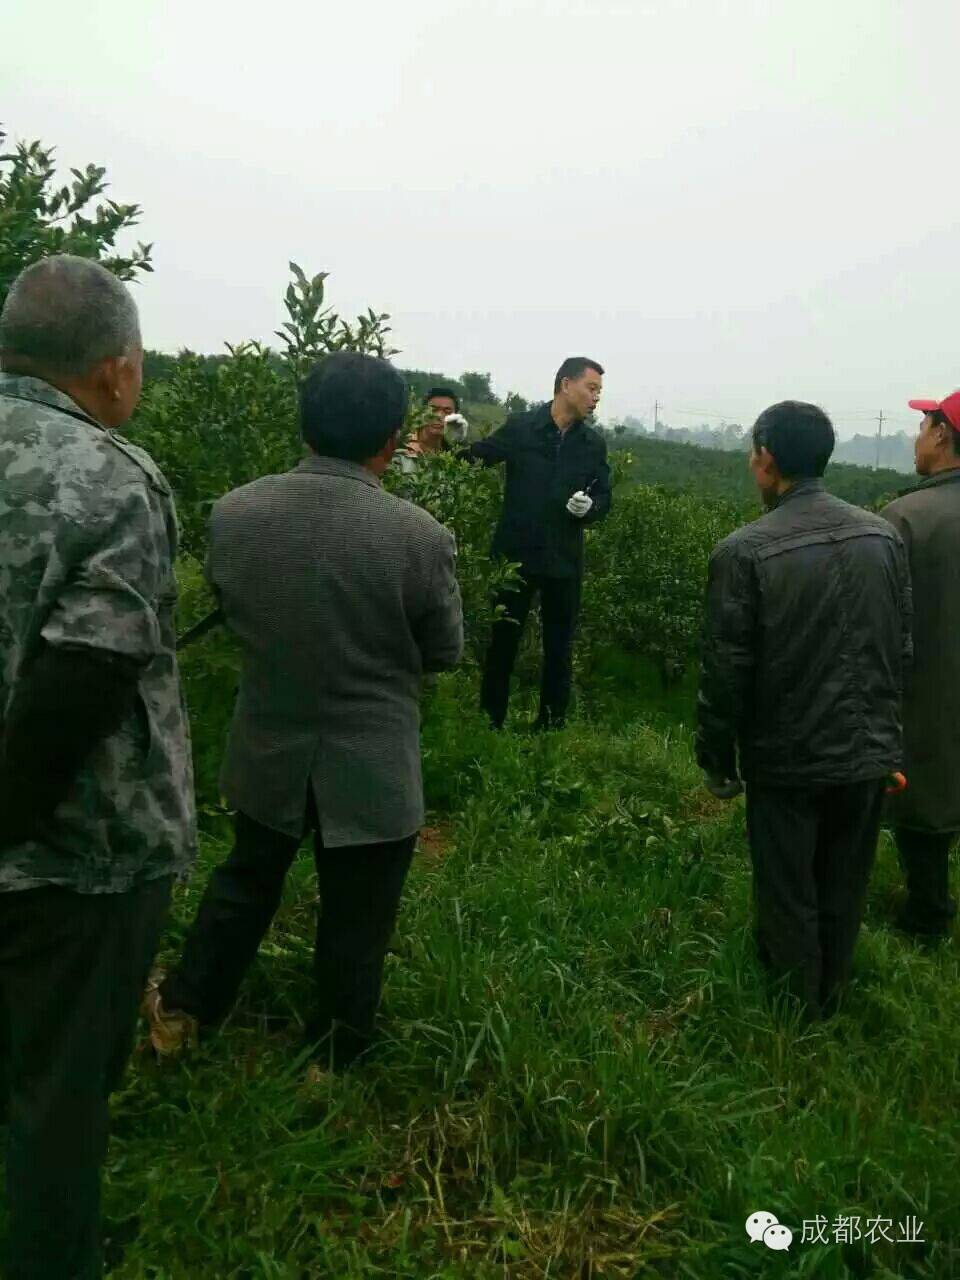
{"x":557,"y":482}
{"x":807,"y":634}
{"x":927,"y":814}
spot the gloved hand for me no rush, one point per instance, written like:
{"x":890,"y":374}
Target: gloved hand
{"x":455,"y":428}
{"x":579,"y":504}
{"x":722,"y":788}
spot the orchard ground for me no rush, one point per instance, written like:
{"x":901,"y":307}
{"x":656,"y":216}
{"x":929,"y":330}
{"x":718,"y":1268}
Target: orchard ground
{"x":582,"y":1072}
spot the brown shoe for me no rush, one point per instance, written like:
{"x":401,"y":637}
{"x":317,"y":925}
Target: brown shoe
{"x":171,"y":1031}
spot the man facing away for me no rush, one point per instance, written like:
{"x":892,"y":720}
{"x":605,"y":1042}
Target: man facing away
{"x":926,"y":816}
{"x":342,"y":596}
{"x":806,"y":638}
{"x":557,"y":481}
{"x":96,"y":787}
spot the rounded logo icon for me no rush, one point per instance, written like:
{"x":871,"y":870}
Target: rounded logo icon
{"x":758,"y":1223}
{"x":778,"y":1237}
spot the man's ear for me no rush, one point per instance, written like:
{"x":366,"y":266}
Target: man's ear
{"x":767,"y":460}
{"x":106,"y":377}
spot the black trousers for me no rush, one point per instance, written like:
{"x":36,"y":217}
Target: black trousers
{"x":360,"y":889}
{"x":925,"y":860}
{"x":559,"y":607}
{"x":812,"y":852}
{"x":72,"y":970}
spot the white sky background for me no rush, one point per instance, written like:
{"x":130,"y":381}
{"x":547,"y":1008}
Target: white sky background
{"x":725,"y":203}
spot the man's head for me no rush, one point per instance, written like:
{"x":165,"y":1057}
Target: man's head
{"x":439,"y":402}
{"x":577,"y":387}
{"x":72,"y":323}
{"x":792,"y":441}
{"x":352,"y":407}
{"x":937,"y":446}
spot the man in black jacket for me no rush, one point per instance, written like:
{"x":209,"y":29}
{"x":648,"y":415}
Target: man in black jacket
{"x":807,"y":636}
{"x":557,"y":481}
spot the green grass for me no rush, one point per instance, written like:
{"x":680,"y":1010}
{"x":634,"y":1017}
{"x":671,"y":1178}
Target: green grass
{"x":582,"y":1072}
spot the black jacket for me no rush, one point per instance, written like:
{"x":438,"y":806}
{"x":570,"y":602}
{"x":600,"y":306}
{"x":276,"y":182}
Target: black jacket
{"x":806,"y":641}
{"x":544,"y":469}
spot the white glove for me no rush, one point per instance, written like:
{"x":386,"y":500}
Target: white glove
{"x":455,"y":427}
{"x":579,"y":504}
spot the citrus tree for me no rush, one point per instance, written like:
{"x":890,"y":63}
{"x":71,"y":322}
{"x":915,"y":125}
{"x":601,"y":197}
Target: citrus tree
{"x":40,"y":217}
{"x":646,"y":574}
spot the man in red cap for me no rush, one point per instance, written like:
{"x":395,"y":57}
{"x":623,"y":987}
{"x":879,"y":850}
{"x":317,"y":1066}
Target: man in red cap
{"x":926,"y":816}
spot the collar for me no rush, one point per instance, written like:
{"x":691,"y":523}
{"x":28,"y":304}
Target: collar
{"x":544,"y":418}
{"x":20,"y":387}
{"x":950,"y":476}
{"x":324,"y":466}
{"x":798,"y":490}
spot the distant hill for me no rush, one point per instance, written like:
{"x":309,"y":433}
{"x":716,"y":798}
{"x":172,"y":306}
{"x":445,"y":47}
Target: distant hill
{"x":896,"y":449}
{"x":725,"y":474}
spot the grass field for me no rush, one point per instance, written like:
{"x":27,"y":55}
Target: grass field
{"x":582,"y":1073}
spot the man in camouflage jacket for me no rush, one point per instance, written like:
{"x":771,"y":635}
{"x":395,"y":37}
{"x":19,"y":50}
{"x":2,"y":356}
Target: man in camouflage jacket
{"x":96,"y":788}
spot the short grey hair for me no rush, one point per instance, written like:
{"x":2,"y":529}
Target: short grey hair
{"x":65,"y":314}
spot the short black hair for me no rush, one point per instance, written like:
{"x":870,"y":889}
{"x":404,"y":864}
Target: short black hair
{"x":941,"y":420}
{"x":443,"y":391}
{"x":800,"y":436}
{"x":575,"y":367}
{"x":351,"y":405}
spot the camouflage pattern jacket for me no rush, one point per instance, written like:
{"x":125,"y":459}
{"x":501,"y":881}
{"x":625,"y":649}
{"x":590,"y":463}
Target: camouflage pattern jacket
{"x":88,"y":536}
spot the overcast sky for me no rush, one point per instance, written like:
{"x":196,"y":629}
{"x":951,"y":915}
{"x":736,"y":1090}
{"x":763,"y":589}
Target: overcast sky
{"x":725,"y":203}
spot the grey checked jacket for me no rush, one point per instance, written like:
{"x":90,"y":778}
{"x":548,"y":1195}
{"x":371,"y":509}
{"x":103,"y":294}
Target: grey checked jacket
{"x":342,"y":596}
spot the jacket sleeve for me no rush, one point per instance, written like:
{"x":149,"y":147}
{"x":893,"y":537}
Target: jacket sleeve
{"x":118,"y":569}
{"x":904,"y":585}
{"x":498,"y":447}
{"x":600,"y":492}
{"x":728,"y":659}
{"x":438,"y":628}
{"x":68,"y":703}
{"x":99,"y":635}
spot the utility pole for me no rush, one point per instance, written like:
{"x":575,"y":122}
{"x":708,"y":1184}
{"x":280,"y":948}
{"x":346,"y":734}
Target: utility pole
{"x":656,"y":415}
{"x":879,"y":434}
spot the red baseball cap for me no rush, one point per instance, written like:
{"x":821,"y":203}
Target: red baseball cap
{"x":950,"y":408}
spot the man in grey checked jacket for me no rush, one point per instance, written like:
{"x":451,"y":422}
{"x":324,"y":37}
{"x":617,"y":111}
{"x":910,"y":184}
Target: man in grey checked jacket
{"x":342,"y":597}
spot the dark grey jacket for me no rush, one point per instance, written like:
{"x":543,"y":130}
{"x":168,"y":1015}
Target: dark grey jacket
{"x":545,"y":468}
{"x":342,"y":596}
{"x":928,"y":520}
{"x":806,"y":639}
